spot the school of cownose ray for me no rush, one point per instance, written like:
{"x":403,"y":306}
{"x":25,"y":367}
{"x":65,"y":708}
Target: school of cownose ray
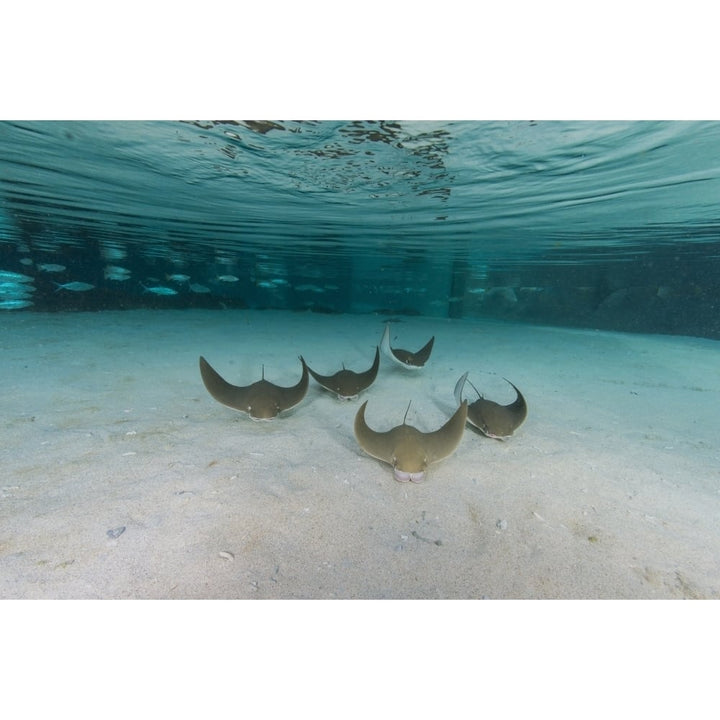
{"x":408,"y":450}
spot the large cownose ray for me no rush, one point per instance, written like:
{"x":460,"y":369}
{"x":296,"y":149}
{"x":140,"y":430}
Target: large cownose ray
{"x":347,"y":384}
{"x":409,"y":360}
{"x":494,"y":420}
{"x":408,"y":450}
{"x":262,"y":400}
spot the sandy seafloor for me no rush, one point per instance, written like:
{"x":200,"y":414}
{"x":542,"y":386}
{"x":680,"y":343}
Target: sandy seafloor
{"x":611,"y":488}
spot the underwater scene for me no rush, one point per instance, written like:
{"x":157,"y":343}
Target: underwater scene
{"x":360,"y":359}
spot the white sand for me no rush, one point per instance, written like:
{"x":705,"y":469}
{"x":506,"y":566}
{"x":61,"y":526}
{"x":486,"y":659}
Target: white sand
{"x":609,"y":490}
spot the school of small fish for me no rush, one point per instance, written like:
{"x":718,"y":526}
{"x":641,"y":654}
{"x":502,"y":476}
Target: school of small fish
{"x":16,"y":290}
{"x":262,"y":283}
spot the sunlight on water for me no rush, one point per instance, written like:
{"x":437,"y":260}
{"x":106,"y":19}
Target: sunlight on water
{"x":603,"y":224}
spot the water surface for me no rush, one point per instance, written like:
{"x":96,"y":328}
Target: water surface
{"x":597,"y":224}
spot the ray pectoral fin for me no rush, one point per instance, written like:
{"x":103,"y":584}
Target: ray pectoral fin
{"x":291,"y":396}
{"x":459,"y":385}
{"x":379,"y":445}
{"x":518,"y":408}
{"x":367,"y":378}
{"x":231,"y":395}
{"x":443,"y":442}
{"x":385,"y":342}
{"x":422,"y":355}
{"x":324,"y":380}
{"x":401,"y":357}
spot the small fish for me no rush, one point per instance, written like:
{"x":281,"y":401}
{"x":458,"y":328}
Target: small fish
{"x":51,"y":267}
{"x":178,"y":277}
{"x":113,"y":252}
{"x":116,"y":276}
{"x":115,"y":272}
{"x":8,"y":276}
{"x":75,"y":286}
{"x":26,"y":261}
{"x":197,"y":288}
{"x":16,"y":291}
{"x":279,"y":281}
{"x":309,"y":288}
{"x":160,"y":290}
{"x":14,"y":304}
{"x":227,"y":278}
{"x":268,"y":285}
{"x":7,"y":287}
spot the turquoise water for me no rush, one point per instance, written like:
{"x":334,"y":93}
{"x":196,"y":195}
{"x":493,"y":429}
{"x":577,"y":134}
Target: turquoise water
{"x":596,"y":224}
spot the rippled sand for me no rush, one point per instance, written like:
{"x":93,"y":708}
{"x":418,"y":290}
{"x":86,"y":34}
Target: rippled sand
{"x":123,"y":478}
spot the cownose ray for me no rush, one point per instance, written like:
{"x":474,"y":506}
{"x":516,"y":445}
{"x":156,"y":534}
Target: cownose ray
{"x":347,"y":384}
{"x":262,"y":400}
{"x":494,"y":420}
{"x":406,"y":448}
{"x":409,"y":360}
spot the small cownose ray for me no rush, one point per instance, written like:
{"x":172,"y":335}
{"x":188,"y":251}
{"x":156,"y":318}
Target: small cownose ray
{"x":408,"y":450}
{"x":262,"y":400}
{"x":347,"y":384}
{"x":409,"y":360}
{"x":495,"y":421}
